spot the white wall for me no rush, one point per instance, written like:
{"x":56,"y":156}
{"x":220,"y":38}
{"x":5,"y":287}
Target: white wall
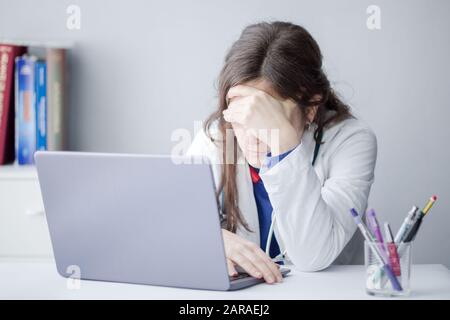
{"x":140,"y":69}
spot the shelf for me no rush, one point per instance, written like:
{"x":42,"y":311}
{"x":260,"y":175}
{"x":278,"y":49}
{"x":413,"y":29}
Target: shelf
{"x":34,"y":43}
{"x":14,"y":171}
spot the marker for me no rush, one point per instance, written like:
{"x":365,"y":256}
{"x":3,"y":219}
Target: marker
{"x":406,"y":225}
{"x":411,"y":235}
{"x":392,"y":249}
{"x":367,"y":236}
{"x":375,"y":226}
{"x":429,"y":205}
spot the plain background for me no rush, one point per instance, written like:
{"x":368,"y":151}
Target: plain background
{"x":141,"y":69}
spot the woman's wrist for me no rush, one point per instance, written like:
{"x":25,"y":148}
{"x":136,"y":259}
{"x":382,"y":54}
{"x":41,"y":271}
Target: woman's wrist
{"x":288,"y":139}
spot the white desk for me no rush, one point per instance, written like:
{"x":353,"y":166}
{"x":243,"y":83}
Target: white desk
{"x":39,"y":280}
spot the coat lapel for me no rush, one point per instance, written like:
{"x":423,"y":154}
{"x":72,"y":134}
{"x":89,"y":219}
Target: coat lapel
{"x":246,"y":199}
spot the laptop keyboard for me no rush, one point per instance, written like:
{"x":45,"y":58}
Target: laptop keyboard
{"x":240,"y":275}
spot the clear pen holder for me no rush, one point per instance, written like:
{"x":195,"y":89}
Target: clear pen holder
{"x":377,"y":281}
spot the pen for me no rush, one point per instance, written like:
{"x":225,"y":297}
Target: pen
{"x":366,"y":234}
{"x":411,"y":235}
{"x":375,"y":226}
{"x":406,"y":225}
{"x":392,"y":249}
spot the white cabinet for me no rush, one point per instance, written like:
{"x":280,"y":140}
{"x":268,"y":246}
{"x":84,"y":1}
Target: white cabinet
{"x":23,"y":228}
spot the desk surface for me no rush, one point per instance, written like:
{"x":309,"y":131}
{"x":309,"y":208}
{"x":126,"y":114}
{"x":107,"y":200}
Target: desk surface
{"x":39,"y":280}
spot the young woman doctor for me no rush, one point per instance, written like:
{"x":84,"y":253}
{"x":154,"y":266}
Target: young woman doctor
{"x":301,"y":160}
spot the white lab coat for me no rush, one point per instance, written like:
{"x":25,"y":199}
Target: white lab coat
{"x":312,"y":203}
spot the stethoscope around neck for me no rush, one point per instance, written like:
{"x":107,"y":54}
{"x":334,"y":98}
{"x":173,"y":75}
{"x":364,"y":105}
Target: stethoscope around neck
{"x":282,"y":255}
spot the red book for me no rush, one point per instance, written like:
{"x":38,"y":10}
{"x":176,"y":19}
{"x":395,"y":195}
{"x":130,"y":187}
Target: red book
{"x":8,"y":54}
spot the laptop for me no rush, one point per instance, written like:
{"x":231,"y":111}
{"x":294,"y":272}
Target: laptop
{"x":140,"y":219}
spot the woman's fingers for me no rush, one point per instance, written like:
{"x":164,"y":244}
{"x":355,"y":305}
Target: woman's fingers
{"x":269,"y":274}
{"x":236,"y":117}
{"x":231,"y":269}
{"x":248,"y":256}
{"x":238,"y":111}
{"x":274,"y":268}
{"x":247,"y":265}
{"x":264,"y":258}
{"x":235,"y":112}
{"x":238,"y":105}
{"x":242,"y":90}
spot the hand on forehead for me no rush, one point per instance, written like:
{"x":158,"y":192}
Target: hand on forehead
{"x":241,"y":91}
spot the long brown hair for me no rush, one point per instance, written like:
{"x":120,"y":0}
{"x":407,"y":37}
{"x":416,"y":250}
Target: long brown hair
{"x":288,"y":57}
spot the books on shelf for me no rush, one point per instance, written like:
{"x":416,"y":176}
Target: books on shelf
{"x":8,"y":54}
{"x":25,"y":110}
{"x":40,"y":71}
{"x":55,"y":93}
{"x":32,"y":107}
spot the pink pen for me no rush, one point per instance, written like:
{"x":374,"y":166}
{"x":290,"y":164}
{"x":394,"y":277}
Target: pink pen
{"x":394,"y":260}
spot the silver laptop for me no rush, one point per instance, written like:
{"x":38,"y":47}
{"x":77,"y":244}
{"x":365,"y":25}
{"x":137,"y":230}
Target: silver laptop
{"x":135,"y":219}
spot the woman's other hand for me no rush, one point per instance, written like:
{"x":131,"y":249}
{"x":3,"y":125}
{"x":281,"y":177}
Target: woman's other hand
{"x":249,"y":257}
